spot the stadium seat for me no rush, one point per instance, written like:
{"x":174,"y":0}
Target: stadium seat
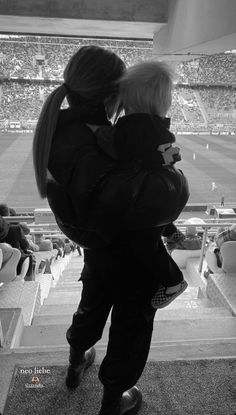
{"x":180,"y":256}
{"x":8,"y":270}
{"x":228,"y":252}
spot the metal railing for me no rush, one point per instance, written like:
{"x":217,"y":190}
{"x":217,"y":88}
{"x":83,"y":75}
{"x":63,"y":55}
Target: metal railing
{"x":210,"y":225}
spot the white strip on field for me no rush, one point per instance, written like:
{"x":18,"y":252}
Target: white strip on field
{"x":12,"y":162}
{"x":223,"y":144}
{"x":213,"y":156}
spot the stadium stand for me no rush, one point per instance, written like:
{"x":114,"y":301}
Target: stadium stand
{"x":209,"y":70}
{"x":31,"y":66}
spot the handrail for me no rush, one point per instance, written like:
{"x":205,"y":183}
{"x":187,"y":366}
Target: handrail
{"x":19,"y":218}
{"x":210,"y":223}
{"x":31,"y":219}
{"x":42,"y":225}
{"x":208,"y":220}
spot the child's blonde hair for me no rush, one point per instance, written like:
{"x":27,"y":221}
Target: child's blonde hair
{"x":147,"y":87}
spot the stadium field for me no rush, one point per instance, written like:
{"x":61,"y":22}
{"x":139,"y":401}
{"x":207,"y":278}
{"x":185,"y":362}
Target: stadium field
{"x":209,"y":162}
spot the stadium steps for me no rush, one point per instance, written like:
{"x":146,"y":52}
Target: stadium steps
{"x":54,"y":316}
{"x":176,"y":335}
{"x":72,"y":295}
{"x":190,"y":327}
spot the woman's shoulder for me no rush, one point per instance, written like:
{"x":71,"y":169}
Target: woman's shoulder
{"x":73,"y":128}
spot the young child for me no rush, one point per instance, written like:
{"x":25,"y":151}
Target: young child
{"x":143,"y":135}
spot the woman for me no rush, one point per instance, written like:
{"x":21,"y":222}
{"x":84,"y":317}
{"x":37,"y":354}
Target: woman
{"x":70,"y":168}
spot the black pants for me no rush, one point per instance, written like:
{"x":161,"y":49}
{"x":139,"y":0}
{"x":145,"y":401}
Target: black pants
{"x":105,"y":287}
{"x":123,"y":280}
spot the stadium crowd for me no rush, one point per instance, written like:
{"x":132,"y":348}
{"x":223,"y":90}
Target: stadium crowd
{"x":210,"y":69}
{"x":30,"y":67}
{"x":21,"y":102}
{"x":19,"y":58}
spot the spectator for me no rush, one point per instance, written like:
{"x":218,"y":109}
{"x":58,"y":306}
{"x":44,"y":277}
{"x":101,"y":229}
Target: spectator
{"x":172,"y":236}
{"x":71,"y":244}
{"x":61,"y":244}
{"x":4,"y":210}
{"x":32,"y":246}
{"x":8,"y":211}
{"x":43,"y":243}
{"x":12,"y":211}
{"x":190,"y":240}
{"x":4,"y":228}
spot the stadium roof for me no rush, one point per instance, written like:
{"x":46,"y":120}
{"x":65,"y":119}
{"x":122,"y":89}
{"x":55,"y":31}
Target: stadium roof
{"x":180,"y":29}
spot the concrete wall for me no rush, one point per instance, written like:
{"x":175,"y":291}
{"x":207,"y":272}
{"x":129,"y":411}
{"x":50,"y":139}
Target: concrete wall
{"x":125,"y":10}
{"x":198,"y":26}
{"x":102,"y":18}
{"x":176,"y":26}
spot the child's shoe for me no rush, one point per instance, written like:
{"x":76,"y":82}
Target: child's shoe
{"x":161,"y":299}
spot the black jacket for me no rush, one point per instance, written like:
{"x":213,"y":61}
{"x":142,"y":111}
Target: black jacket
{"x":94,"y":197}
{"x":139,"y":189}
{"x":4,"y":227}
{"x":16,"y":238}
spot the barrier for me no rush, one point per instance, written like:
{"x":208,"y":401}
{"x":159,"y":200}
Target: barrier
{"x":45,"y":216}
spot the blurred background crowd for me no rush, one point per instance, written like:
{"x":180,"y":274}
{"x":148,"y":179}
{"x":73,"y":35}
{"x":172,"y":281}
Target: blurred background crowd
{"x":31,"y":66}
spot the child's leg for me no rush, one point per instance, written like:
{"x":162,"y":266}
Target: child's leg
{"x":173,"y":285}
{"x":173,"y":289}
{"x":162,"y":297}
{"x":173,"y":276}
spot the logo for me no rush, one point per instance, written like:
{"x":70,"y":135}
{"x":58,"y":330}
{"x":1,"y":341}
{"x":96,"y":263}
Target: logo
{"x":35,"y":379}
{"x":36,"y":376}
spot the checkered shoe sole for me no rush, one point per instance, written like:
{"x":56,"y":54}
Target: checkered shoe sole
{"x":161,"y":299}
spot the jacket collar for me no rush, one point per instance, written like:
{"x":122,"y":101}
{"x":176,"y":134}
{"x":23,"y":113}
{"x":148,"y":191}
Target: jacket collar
{"x":93,"y":115}
{"x":151,"y":126}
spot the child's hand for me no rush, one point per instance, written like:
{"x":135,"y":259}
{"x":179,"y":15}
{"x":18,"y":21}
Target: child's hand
{"x":171,"y":155}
